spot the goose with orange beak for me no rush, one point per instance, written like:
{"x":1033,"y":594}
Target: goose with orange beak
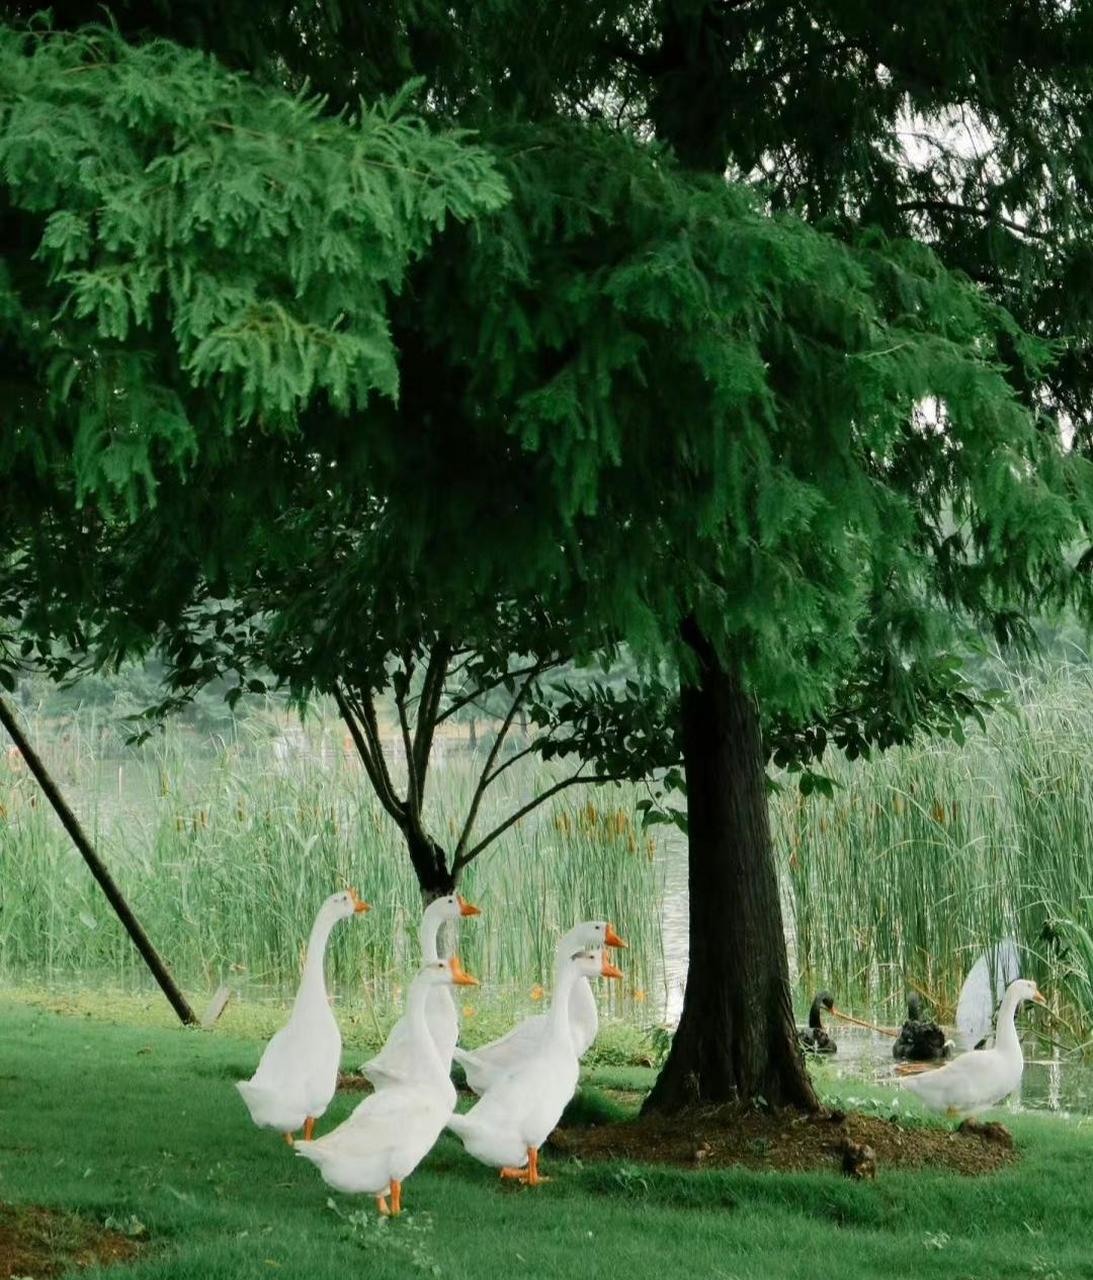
{"x":391,"y":1132}
{"x":979,"y":1079}
{"x":488,"y":1064}
{"x":298,"y":1072}
{"x":396,"y":1062}
{"x":514,"y":1117}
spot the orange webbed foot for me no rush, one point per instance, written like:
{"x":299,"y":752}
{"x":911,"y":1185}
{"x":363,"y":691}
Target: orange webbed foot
{"x":381,"y":1205}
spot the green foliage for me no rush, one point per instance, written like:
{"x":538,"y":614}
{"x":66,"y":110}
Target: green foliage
{"x":815,"y":410}
{"x":197,"y":256}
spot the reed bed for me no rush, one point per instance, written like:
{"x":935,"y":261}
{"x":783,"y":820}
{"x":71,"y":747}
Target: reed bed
{"x":928,"y":854}
{"x":226,"y":852}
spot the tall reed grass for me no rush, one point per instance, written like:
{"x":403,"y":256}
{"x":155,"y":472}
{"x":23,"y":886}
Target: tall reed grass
{"x":930,"y":853}
{"x":225,"y":854}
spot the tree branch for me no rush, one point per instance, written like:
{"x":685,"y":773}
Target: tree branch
{"x":462,"y":859}
{"x":413,"y":789}
{"x":428,"y":705}
{"x":480,"y":690}
{"x":950,"y":206}
{"x":519,"y":755}
{"x":484,"y":779}
{"x":355,"y":714}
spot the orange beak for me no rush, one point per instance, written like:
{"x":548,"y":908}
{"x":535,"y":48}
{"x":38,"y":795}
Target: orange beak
{"x":466,"y":908}
{"x":611,"y":938}
{"x":1039,"y":999}
{"x":358,"y":904}
{"x":609,"y":970}
{"x":460,"y":978}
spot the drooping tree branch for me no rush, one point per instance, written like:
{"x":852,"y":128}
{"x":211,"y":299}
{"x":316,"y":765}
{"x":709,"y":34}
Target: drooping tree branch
{"x":954,"y":209}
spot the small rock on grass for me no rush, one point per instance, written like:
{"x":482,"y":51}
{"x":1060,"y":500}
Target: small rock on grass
{"x":859,"y":1160}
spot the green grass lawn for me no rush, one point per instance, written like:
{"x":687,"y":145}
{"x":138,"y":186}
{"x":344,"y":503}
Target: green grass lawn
{"x":143,"y":1122}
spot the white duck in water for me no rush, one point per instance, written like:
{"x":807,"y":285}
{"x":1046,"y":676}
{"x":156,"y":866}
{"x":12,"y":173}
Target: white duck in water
{"x":488,"y":1064}
{"x":515,"y":1116}
{"x":298,"y":1071}
{"x":978,"y":1080}
{"x":391,"y":1132}
{"x":397,"y":1062}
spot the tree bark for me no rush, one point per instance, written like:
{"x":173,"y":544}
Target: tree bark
{"x":106,"y":882}
{"x":736,"y":1039}
{"x":430,"y":863}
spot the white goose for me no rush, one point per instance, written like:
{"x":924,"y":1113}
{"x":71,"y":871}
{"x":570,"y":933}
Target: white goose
{"x":397,"y":1061}
{"x":515,"y":1116}
{"x":298,"y":1072}
{"x":979,"y":1079}
{"x":486,"y":1065}
{"x":391,"y":1132}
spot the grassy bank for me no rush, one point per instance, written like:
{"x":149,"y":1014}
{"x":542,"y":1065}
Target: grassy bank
{"x":141,"y":1125}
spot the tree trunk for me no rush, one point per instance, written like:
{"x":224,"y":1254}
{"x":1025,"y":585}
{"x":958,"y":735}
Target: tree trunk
{"x":736,"y":1039}
{"x":430,"y":864}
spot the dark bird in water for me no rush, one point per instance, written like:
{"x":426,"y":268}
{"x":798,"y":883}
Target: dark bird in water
{"x":814,"y":1038}
{"x":918,"y":1039}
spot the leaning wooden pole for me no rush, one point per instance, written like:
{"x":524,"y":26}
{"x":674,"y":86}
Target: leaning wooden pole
{"x":106,"y":881}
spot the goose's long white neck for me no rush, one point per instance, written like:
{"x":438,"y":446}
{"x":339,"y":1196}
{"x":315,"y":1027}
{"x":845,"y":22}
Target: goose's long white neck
{"x":313,"y":982}
{"x":558,"y":1028}
{"x":424,"y":1044}
{"x":429,"y":933}
{"x":1006,"y":1032}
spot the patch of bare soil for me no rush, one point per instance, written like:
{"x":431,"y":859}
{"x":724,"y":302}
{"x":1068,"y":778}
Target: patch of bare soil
{"x":41,"y":1243}
{"x":353,"y":1082}
{"x":714,"y":1138}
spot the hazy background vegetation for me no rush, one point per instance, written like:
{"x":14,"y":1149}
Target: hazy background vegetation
{"x":226,"y":831}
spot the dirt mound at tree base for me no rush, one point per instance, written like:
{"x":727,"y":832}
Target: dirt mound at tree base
{"x":715,"y":1138}
{"x":42,"y":1242}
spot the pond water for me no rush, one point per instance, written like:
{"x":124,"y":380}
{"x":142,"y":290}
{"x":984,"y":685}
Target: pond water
{"x":1052,"y":1082}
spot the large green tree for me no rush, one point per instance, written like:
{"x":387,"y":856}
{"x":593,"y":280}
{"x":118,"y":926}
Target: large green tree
{"x":796,"y":463}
